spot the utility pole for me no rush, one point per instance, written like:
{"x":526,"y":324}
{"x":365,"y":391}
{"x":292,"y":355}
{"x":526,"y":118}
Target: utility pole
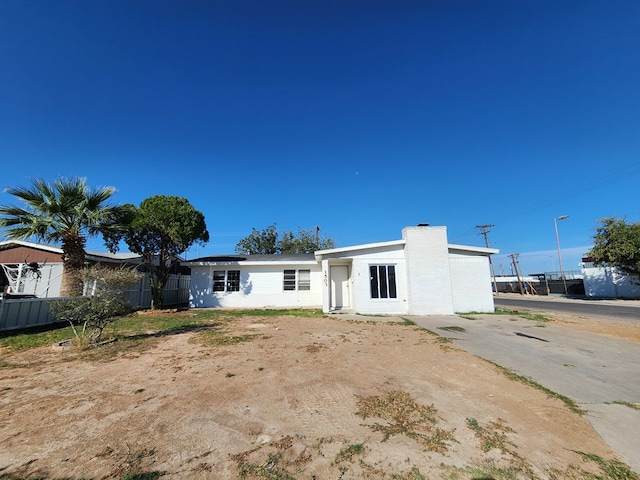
{"x":317,"y":237}
{"x":514,"y":260}
{"x":484,"y":230}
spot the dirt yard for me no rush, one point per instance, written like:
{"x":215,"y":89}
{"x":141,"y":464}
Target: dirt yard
{"x":286,"y":398}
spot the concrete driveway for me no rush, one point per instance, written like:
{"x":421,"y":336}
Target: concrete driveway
{"x":594,"y":370}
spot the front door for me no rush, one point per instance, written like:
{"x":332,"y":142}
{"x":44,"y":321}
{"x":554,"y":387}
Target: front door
{"x":339,"y":287}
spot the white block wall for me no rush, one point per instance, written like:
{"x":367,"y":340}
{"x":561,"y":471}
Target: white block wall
{"x":471,"y":283}
{"x":605,"y":282}
{"x":428,"y":273}
{"x":260,"y":287}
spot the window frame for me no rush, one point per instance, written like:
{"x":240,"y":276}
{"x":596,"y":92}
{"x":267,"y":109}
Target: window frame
{"x":383,"y":284}
{"x":292,"y":280}
{"x":226,"y":281}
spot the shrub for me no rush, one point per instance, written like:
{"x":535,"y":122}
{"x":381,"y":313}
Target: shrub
{"x":103,"y":301}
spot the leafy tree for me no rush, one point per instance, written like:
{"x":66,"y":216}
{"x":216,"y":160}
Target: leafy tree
{"x":103,"y":302}
{"x":617,"y":243}
{"x":159,"y":230}
{"x":269,"y":241}
{"x":259,"y":242}
{"x":305,"y":241}
{"x":67,"y":211}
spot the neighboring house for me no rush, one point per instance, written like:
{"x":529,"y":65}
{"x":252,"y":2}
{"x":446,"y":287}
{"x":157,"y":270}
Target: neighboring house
{"x":608,"y":282}
{"x":29,"y":268}
{"x":421,"y":274}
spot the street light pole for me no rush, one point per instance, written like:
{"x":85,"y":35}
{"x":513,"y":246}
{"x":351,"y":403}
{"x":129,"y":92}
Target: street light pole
{"x":555,"y":224}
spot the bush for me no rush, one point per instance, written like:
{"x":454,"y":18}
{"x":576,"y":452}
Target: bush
{"x":103,"y":301}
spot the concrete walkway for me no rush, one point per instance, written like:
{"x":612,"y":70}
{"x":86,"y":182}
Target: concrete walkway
{"x":593,"y":370}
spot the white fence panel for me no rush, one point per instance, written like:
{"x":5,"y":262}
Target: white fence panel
{"x":176,"y":292}
{"x":33,"y":312}
{"x":24,"y":312}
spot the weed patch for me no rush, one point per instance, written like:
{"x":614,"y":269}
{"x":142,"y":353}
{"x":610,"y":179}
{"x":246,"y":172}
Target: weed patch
{"x":493,"y":436}
{"x":634,"y":406}
{"x":216,"y":338}
{"x":403,"y":416}
{"x":613,"y":469}
{"x":526,"y":314}
{"x":347,"y":453}
{"x":573,"y":406}
{"x":453,"y":328}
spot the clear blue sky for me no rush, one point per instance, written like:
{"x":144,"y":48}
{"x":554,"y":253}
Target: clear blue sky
{"x":361,"y":117}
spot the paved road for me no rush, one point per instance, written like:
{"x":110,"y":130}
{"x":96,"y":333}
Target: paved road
{"x":594,"y":370}
{"x":620,"y":310}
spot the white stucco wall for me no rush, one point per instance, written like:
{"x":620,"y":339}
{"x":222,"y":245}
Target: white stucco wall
{"x":471,"y":283}
{"x":260,"y":287}
{"x":361,"y":283}
{"x":606,"y":282}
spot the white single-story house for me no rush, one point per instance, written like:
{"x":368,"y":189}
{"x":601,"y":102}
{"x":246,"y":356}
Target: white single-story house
{"x":421,"y":274}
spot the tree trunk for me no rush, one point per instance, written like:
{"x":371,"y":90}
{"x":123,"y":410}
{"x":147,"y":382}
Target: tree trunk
{"x":73,"y":259}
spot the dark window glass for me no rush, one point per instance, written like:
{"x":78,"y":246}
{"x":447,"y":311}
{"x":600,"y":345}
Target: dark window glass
{"x":373,"y":274}
{"x":233,"y":281}
{"x":289,"y":280}
{"x":383,"y":281}
{"x":218,"y":280}
{"x":382,"y":274}
{"x":391,"y":272}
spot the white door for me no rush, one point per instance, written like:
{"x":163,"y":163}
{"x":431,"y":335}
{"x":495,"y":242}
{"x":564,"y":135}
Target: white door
{"x":339,"y":287}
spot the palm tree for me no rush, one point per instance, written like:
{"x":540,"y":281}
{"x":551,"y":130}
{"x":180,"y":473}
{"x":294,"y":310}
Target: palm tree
{"x":66,"y":211}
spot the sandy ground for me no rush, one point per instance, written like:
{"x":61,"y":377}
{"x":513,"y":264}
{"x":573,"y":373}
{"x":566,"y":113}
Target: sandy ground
{"x":304,"y":398}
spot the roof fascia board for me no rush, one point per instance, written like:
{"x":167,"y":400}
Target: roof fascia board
{"x":364,"y":246}
{"x":37,"y":246}
{"x":252,"y":263}
{"x":469,"y":248}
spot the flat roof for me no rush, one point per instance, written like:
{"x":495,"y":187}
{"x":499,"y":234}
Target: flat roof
{"x":274,"y":258}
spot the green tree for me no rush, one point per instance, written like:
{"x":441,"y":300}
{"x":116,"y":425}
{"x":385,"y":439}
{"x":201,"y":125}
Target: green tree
{"x":259,"y":241}
{"x":617,"y":243}
{"x":160,"y":229}
{"x":304,"y":241}
{"x":269,"y":241}
{"x":66,"y":211}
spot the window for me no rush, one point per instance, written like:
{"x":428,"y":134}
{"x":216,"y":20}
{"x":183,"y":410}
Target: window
{"x":226,"y":280}
{"x":383,"y":281}
{"x":302,"y":280}
{"x":289,"y":280}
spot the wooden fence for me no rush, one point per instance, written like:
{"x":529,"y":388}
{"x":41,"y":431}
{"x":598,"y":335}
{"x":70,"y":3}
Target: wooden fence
{"x":16,"y":313}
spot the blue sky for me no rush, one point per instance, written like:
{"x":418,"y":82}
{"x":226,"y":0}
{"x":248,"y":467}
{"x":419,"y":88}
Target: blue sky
{"x":360,"y":117}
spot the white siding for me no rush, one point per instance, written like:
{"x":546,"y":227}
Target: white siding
{"x":47,"y":285}
{"x":260,"y":286}
{"x":471,"y":283}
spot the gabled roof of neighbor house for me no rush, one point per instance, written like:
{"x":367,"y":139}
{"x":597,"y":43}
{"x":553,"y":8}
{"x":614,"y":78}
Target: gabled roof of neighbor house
{"x":90,"y":255}
{"x":7,"y":244}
